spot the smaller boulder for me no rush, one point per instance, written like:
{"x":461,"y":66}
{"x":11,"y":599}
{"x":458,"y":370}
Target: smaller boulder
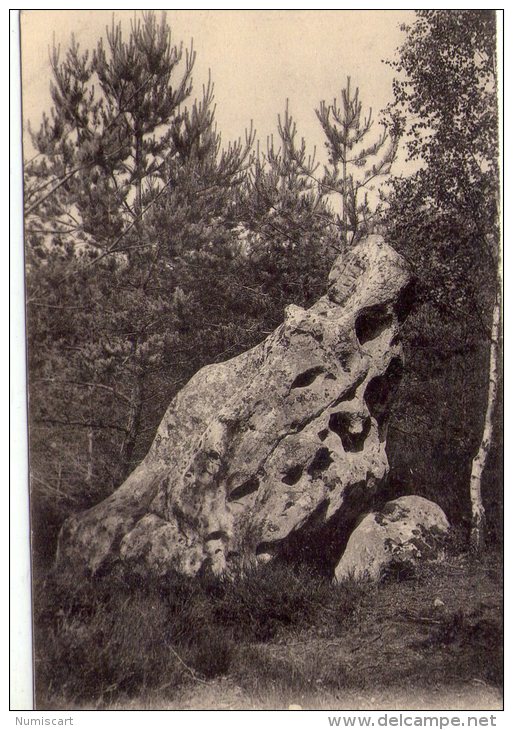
{"x":404,"y":532}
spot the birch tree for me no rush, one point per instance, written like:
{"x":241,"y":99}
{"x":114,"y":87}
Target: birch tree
{"x":446,"y":104}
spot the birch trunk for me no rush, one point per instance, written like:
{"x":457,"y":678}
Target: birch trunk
{"x":479,"y":461}
{"x":90,"y":442}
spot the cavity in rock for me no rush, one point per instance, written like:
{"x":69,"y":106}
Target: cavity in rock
{"x":405,"y":301}
{"x":342,"y":424}
{"x":320,"y":462}
{"x":371,"y":322}
{"x":217,"y":535}
{"x":248,"y":487}
{"x":293,"y":475}
{"x":380,"y":391}
{"x":307,"y":378}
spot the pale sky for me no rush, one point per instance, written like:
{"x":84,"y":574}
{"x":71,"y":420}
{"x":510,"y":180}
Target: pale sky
{"x":258,"y":59}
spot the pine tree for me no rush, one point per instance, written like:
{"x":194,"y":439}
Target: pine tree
{"x":292,"y":236}
{"x":101,"y":154}
{"x":350,"y":172}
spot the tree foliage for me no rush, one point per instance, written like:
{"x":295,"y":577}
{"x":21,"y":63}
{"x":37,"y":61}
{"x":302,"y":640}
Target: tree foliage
{"x":128,"y":181}
{"x":351,"y":170}
{"x":152,"y":249}
{"x":292,"y":236}
{"x":445,"y":219}
{"x":353,"y":164}
{"x":446,"y":103}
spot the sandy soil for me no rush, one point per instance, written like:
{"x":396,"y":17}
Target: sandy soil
{"x":224,"y":695}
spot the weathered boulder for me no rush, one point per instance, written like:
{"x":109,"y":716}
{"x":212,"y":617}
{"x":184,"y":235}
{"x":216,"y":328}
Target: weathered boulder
{"x":404,"y":532}
{"x":277,"y":449}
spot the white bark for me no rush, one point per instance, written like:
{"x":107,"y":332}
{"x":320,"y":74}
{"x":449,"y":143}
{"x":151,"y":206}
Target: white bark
{"x":90,"y":437}
{"x":479,"y":461}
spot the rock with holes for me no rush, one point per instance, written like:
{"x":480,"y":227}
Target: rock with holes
{"x":278,"y":450}
{"x":392,"y":540}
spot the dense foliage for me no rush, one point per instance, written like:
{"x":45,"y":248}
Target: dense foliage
{"x":153,"y":248}
{"x":445,"y":219}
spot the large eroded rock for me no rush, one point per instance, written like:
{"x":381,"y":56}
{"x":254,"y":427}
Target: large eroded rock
{"x":404,"y":532}
{"x":280,"y":448}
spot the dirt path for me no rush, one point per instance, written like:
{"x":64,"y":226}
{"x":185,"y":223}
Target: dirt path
{"x":224,"y":695}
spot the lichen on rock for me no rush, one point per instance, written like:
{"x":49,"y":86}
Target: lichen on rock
{"x":401,"y":534}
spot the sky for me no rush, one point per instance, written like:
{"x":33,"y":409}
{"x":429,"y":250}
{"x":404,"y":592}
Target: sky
{"x":258,"y":59}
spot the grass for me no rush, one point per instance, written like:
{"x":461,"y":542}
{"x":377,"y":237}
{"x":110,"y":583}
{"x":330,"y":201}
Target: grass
{"x":118,"y":635}
{"x":398,"y":637}
{"x":270,"y":632}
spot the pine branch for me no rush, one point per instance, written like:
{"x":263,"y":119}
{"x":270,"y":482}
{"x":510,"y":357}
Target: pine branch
{"x":82,"y":384}
{"x":80,"y":424}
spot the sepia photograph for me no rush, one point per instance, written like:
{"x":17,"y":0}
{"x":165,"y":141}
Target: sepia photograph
{"x":263,"y":311}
